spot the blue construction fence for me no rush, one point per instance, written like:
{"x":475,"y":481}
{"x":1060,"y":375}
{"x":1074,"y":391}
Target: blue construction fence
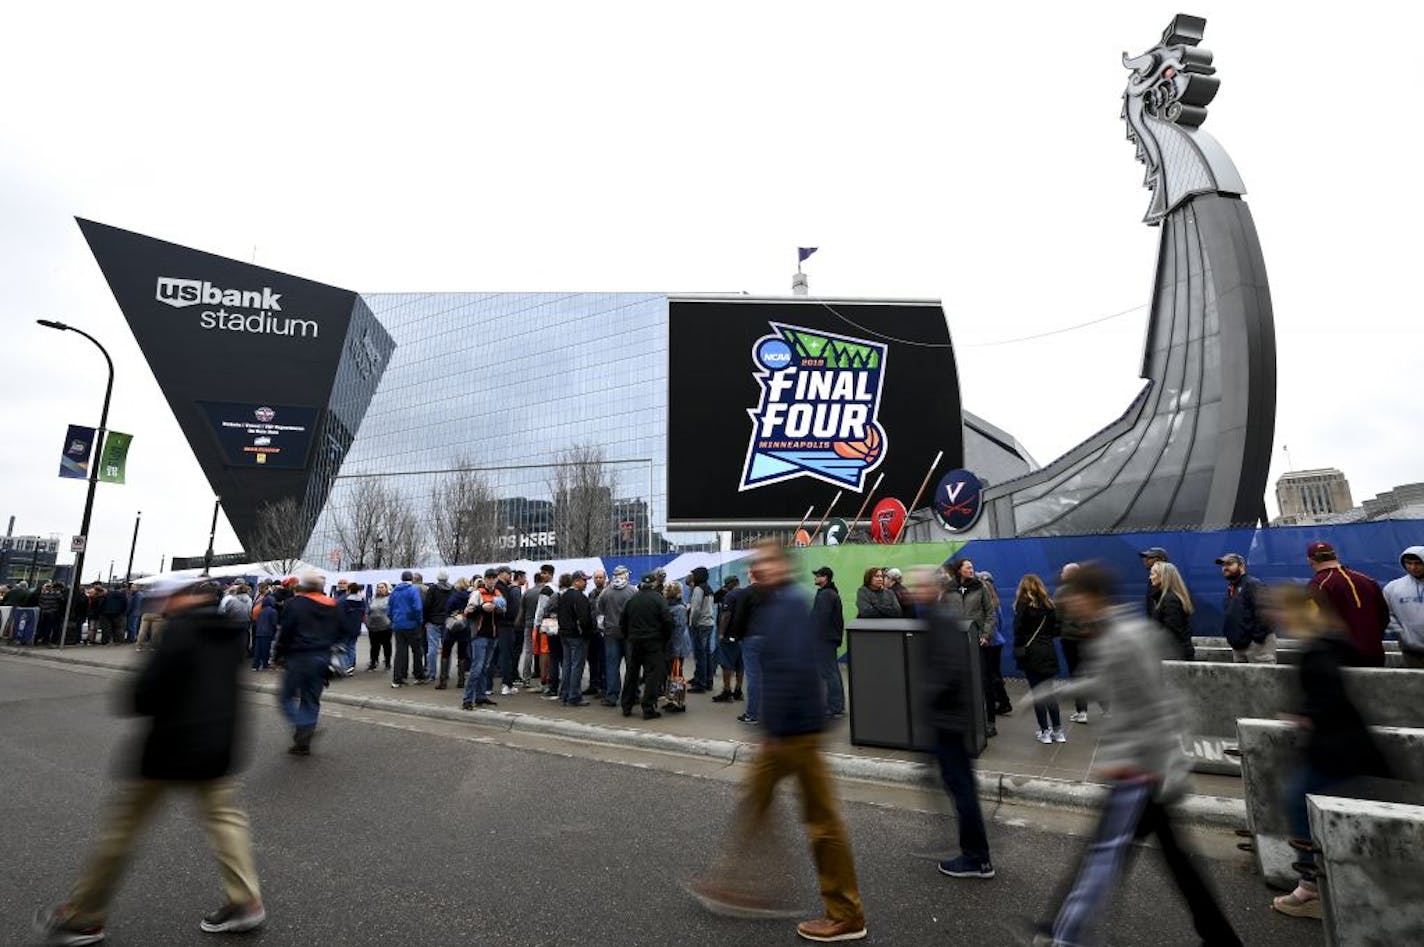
{"x":1273,"y":554}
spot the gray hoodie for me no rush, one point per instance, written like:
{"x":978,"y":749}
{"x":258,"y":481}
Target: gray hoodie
{"x":1405,"y":596}
{"x":1122,"y":667}
{"x":608,"y":610}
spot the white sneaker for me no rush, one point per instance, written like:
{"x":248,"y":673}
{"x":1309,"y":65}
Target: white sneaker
{"x":504,"y":691}
{"x":1058,"y":736}
{"x":1043,"y":736}
{"x":1079,"y":716}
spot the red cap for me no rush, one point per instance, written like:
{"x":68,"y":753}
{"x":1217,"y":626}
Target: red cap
{"x":289,"y":581}
{"x":1320,"y":551}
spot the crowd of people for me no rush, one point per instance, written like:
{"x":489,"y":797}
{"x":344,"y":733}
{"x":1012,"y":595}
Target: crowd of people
{"x":574,"y":636}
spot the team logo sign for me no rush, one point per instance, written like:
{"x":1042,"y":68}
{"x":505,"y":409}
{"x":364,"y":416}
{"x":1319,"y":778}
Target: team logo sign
{"x":817,"y":417}
{"x":836,"y":532}
{"x":887,"y":520}
{"x":958,"y":500}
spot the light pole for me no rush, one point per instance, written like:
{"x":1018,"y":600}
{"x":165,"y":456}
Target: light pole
{"x":128,"y":573}
{"x":212,"y":534}
{"x":78,"y":579}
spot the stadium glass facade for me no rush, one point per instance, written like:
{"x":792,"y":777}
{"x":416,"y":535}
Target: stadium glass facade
{"x":505,"y":384}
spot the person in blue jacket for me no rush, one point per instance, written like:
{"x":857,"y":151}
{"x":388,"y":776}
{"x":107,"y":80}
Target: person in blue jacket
{"x":265,"y":631}
{"x":407,"y":610}
{"x":793,"y":713}
{"x":352,"y":613}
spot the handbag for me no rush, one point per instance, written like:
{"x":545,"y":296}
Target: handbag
{"x":1021,"y":653}
{"x":455,"y":623}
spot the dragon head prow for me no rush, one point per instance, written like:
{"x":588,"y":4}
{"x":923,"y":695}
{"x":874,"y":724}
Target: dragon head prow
{"x":1168,"y":90}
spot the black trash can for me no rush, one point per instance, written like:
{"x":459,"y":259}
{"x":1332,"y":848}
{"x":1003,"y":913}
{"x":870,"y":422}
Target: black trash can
{"x":886,"y":658}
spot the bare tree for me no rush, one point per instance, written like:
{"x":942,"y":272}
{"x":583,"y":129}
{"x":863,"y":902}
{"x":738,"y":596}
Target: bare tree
{"x":463,"y":517}
{"x":582,"y":489}
{"x":360,"y":520}
{"x":281,"y":534}
{"x":404,"y":533}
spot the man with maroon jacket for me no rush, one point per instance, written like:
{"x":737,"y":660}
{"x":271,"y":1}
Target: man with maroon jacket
{"x":1356,"y":600}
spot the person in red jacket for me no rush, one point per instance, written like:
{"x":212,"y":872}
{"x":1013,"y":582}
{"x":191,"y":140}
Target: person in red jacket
{"x":1354,"y":598}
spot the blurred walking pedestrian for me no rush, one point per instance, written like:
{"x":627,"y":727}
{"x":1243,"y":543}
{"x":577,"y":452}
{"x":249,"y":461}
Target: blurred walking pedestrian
{"x":310,"y":627}
{"x":951,"y":665}
{"x":1140,"y":752}
{"x":793,"y":714}
{"x":1337,"y":745}
{"x":189,"y":692}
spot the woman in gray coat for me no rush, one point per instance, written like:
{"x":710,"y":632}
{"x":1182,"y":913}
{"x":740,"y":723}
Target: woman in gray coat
{"x":970,"y":600}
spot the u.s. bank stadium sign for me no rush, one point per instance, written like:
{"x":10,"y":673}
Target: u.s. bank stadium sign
{"x":234,"y":310}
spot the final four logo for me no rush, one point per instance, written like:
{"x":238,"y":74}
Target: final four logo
{"x":820,"y":394}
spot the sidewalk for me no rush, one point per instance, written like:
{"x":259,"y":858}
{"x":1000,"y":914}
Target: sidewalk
{"x":1014,"y":765}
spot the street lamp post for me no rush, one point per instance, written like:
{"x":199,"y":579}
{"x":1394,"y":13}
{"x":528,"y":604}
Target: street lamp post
{"x":212,"y":535}
{"x":378,"y":552}
{"x":128,"y":573}
{"x":78,"y":579}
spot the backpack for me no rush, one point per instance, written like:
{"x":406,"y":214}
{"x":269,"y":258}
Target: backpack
{"x":549,"y":625}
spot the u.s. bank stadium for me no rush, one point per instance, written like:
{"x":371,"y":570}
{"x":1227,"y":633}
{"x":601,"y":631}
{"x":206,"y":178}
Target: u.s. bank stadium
{"x":320,"y":391}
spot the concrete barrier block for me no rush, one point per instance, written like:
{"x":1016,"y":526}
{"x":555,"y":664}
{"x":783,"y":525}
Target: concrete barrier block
{"x":1371,"y":882}
{"x":1270,"y":752}
{"x":1216,"y":695}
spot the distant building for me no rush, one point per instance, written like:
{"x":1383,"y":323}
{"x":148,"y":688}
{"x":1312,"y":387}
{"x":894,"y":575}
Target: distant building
{"x":1307,"y":497}
{"x":1404,"y":502}
{"x":28,"y":558}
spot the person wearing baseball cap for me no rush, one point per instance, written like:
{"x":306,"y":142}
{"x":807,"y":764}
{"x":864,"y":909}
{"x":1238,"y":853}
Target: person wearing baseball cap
{"x":1243,"y":621}
{"x":1153,"y":555}
{"x":1354,"y":598}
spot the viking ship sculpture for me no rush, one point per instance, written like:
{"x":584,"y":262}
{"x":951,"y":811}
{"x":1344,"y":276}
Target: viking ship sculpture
{"x":1194,"y":447}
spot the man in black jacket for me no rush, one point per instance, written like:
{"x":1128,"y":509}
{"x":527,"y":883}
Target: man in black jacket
{"x":189,"y":691}
{"x":510,"y":638}
{"x":646,"y":626}
{"x":827,"y":616}
{"x":1242,"y":620}
{"x":953,"y":663}
{"x":575,"y":631}
{"x":307,"y":631}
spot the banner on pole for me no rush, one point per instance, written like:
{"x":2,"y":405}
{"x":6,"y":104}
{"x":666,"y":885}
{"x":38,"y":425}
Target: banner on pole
{"x":114,"y":457}
{"x":836,"y":531}
{"x":78,"y":450}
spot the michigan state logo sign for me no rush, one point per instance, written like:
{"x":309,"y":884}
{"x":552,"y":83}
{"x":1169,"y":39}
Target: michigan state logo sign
{"x":817,"y":416}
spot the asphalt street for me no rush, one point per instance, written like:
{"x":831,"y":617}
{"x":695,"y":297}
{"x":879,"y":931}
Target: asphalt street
{"x":414,"y":834}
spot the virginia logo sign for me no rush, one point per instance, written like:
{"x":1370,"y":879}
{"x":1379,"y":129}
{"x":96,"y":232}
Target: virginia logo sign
{"x":817,"y":416}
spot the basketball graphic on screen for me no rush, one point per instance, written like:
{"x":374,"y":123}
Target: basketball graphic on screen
{"x":867,"y":450}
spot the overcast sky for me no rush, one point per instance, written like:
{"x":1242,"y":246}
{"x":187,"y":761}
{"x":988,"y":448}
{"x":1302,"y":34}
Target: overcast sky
{"x":970,"y":154}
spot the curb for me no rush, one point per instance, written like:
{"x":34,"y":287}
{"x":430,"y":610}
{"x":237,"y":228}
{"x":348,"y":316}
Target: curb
{"x":1215,"y":811}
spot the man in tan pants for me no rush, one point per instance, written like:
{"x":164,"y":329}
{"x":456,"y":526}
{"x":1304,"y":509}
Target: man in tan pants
{"x":191,"y":744}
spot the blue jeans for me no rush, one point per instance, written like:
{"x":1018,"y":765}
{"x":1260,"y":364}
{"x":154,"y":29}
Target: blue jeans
{"x":751,"y":661}
{"x":703,"y":650}
{"x":302,"y":684}
{"x":434,"y":635}
{"x":830,"y":668}
{"x":1130,"y":814}
{"x":351,"y":650}
{"x":481,"y":650}
{"x":1304,"y":781}
{"x":575,"y":653}
{"x":262,"y":652}
{"x":957,"y":772}
{"x":614,"y":650}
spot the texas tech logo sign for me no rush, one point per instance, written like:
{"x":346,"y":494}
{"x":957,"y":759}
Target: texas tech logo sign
{"x":817,"y":415}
